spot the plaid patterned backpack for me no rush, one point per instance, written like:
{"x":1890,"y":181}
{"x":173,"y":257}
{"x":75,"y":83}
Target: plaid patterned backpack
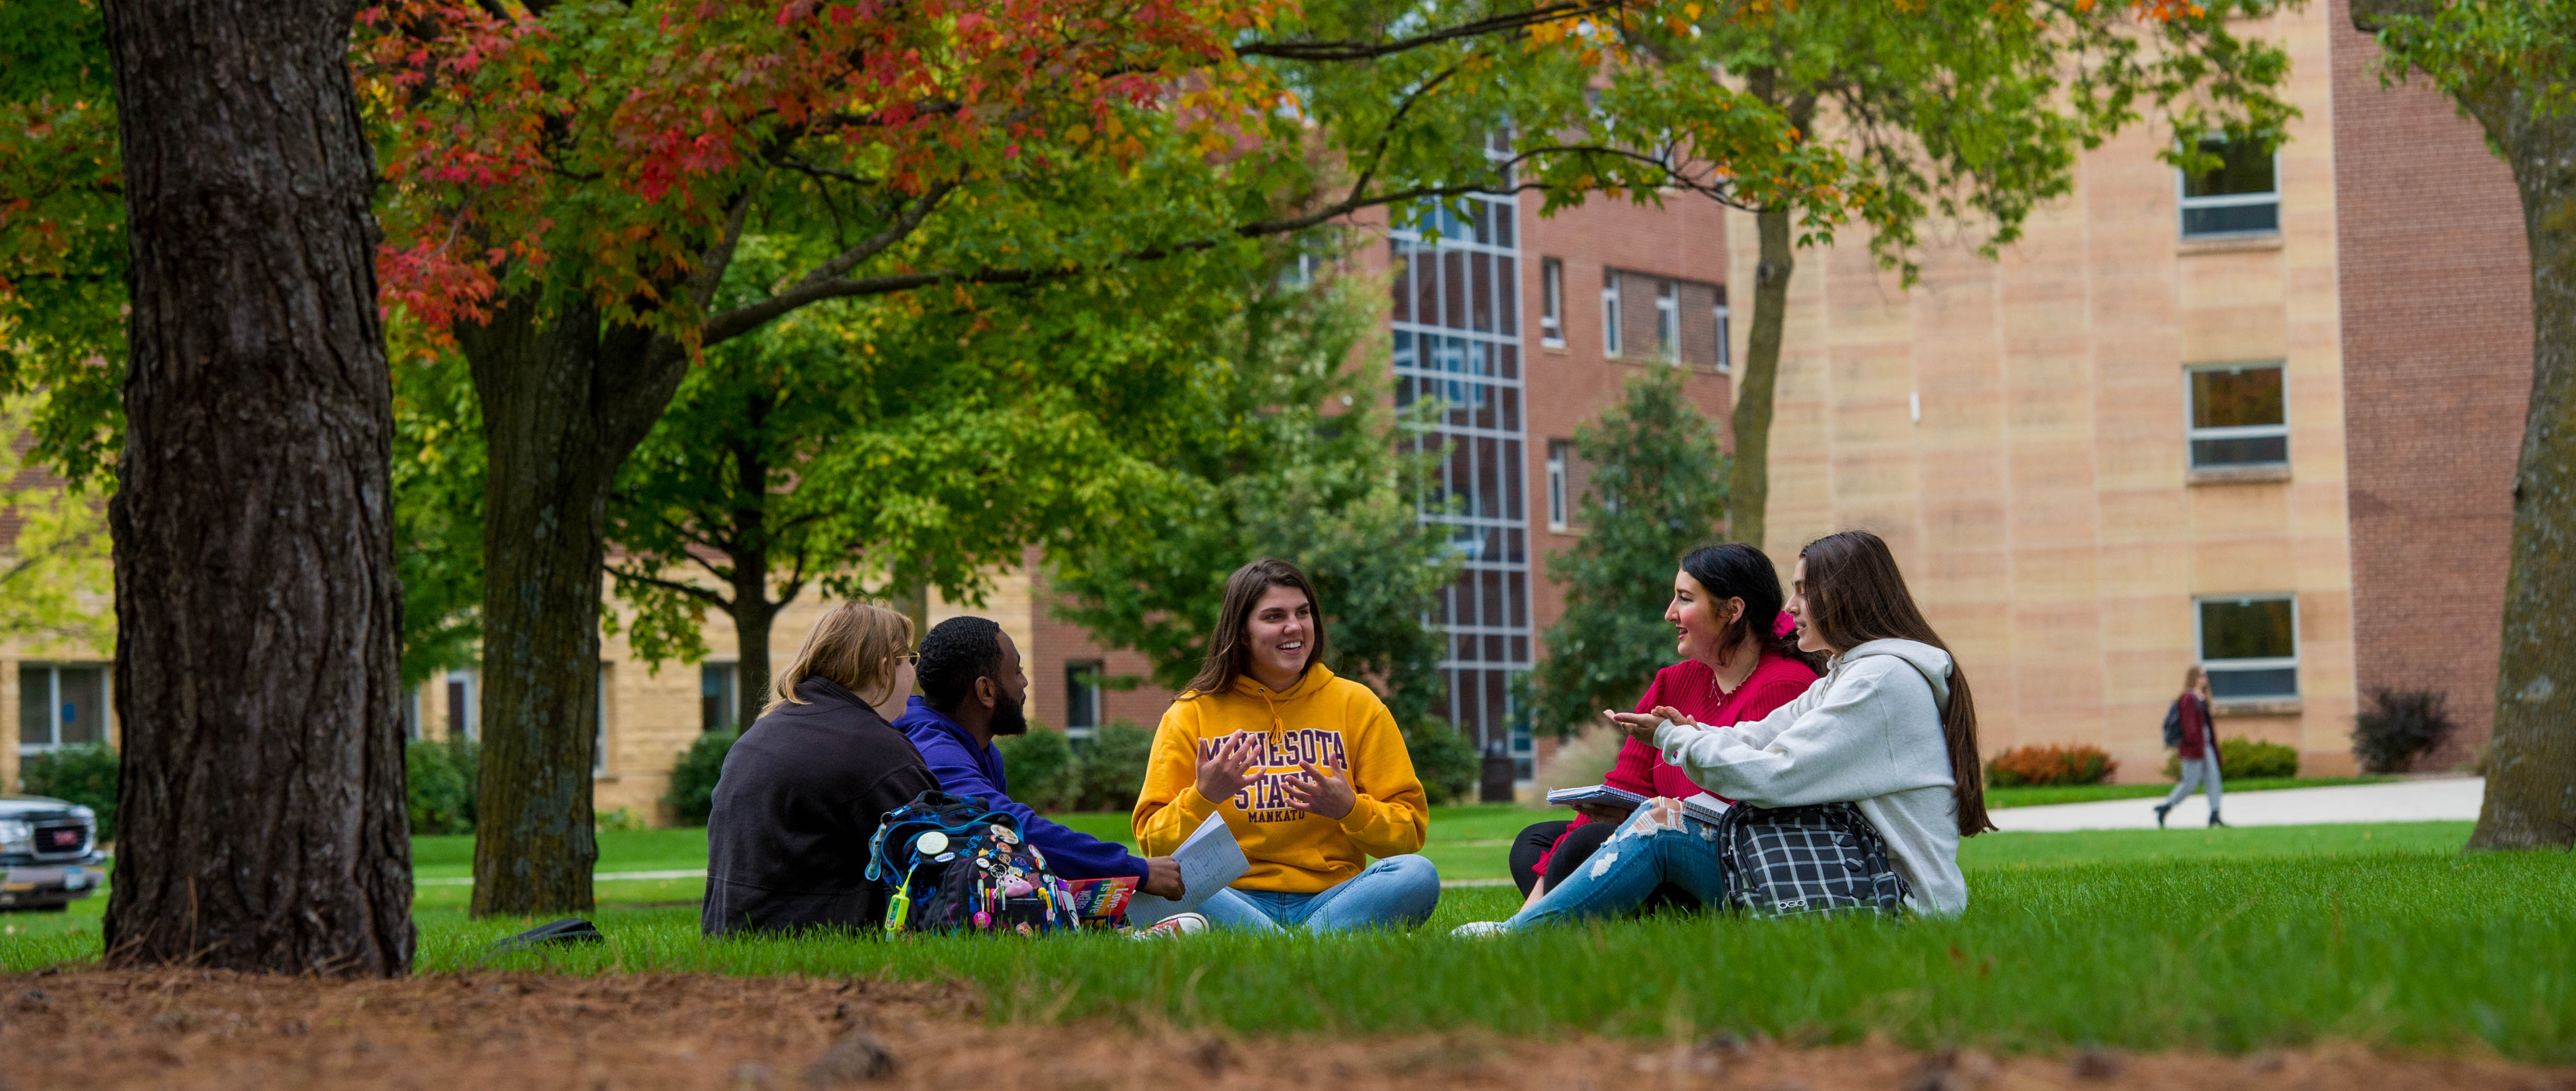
{"x":1823,"y":858}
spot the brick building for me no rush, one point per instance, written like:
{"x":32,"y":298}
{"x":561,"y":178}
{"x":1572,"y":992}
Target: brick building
{"x":2264,"y":420}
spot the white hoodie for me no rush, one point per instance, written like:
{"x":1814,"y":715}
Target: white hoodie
{"x":1868,"y":733}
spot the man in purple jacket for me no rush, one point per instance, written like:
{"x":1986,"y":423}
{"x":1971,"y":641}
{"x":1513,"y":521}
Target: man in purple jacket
{"x":974,"y":690}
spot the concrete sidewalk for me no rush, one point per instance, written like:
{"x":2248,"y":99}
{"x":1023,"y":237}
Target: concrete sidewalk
{"x":2447,"y":799}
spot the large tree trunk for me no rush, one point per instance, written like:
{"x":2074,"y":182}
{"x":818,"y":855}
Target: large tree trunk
{"x":2531,"y":772}
{"x":260,"y":805}
{"x":564,"y":402}
{"x":1749,"y":482}
{"x":753,"y":613}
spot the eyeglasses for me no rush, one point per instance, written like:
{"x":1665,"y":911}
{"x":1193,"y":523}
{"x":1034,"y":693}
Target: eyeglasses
{"x":912,"y":659}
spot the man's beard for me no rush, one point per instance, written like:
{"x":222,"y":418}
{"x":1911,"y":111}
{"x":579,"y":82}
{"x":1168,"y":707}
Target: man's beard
{"x":1011,"y":719}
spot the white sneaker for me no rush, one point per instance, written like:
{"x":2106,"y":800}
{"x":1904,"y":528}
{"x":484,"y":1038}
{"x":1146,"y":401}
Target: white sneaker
{"x":1479,"y":929}
{"x":1178,"y":924}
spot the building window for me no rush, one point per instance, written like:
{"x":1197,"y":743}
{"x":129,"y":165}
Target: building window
{"x":1082,"y":698}
{"x":1567,"y":476}
{"x":2250,"y":647}
{"x":1558,"y":504}
{"x":1551,"y":303}
{"x":411,"y":713}
{"x":462,"y":704}
{"x":719,"y":699}
{"x":1668,"y":320}
{"x":61,"y":705}
{"x":1610,"y":311}
{"x":599,"y":733}
{"x":1725,"y":334}
{"x":2241,"y":197}
{"x":2238,"y":416}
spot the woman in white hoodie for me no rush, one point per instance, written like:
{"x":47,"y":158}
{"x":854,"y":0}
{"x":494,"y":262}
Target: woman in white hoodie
{"x":1890,"y":728}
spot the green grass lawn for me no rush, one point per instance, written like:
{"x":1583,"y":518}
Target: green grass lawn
{"x":2230,"y":939}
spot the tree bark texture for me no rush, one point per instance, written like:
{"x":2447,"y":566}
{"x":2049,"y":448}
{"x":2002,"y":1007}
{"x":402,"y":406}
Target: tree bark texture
{"x":753,"y":612}
{"x":564,"y":401}
{"x":2531,"y":770}
{"x":260,"y":803}
{"x":1749,"y":484}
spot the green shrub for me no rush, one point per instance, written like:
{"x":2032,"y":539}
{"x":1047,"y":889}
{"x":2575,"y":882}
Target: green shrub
{"x":693,"y":780}
{"x":2243,"y":757}
{"x":84,"y":774}
{"x":1444,"y":760}
{"x":621,"y":820}
{"x":1040,"y":768}
{"x":438,"y":785}
{"x":2048,"y":766}
{"x":1112,"y":767}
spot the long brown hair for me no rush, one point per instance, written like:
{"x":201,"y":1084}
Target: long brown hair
{"x":1855,"y":595}
{"x":853,"y":644}
{"x":1229,"y":652}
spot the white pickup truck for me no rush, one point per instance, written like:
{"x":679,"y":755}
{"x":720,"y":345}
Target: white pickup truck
{"x":49,"y":854}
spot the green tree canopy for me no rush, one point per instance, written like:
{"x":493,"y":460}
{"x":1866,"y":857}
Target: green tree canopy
{"x":1657,"y":489}
{"x":1289,"y":454}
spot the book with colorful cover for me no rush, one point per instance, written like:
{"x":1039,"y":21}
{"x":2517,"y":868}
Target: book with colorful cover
{"x":1099,"y":903}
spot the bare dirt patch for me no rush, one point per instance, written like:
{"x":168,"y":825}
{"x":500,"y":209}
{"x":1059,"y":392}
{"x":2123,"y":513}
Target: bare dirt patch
{"x":490,"y":1031}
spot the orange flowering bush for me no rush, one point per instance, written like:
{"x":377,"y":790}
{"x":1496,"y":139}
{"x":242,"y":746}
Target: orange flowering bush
{"x":2033,"y":766}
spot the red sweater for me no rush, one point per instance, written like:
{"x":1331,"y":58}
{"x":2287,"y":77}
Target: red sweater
{"x":1692,"y":687}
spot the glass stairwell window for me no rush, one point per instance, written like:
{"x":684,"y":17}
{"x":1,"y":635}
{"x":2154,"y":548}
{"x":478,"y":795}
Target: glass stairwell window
{"x":2242,"y":196}
{"x":2238,"y":416}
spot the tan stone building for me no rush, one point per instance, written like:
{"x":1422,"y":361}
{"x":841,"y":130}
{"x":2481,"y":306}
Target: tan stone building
{"x":2264,"y":422}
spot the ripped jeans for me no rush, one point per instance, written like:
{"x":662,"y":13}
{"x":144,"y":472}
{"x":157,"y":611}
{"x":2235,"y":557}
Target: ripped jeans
{"x":1657,"y":845}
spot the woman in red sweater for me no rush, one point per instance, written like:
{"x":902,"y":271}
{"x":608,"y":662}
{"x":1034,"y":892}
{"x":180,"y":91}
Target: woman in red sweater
{"x":1738,"y":664}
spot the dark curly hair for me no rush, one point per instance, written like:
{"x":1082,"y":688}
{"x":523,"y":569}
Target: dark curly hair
{"x":956,"y":653}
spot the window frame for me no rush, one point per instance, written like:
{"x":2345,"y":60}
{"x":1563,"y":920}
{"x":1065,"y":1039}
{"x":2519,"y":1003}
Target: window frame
{"x":1089,"y":694}
{"x":728,"y":695}
{"x":2192,"y":433}
{"x":1668,"y":319}
{"x":1560,"y":507}
{"x":2185,"y":205}
{"x":54,"y":703}
{"x":1725,"y":339}
{"x":1551,"y":303}
{"x":461,"y":716}
{"x":2200,"y":647}
{"x":599,"y":732}
{"x":1611,"y":342}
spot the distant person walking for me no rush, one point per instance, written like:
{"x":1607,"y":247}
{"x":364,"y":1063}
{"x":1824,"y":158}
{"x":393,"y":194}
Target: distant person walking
{"x":2189,"y":730}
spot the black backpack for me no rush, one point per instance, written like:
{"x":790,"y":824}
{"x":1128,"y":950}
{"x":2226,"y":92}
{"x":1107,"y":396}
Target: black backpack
{"x":1822,"y":858}
{"x":957,"y":865}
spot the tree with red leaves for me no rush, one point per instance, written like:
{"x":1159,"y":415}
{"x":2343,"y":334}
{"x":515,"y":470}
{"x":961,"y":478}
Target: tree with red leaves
{"x":570,"y":184}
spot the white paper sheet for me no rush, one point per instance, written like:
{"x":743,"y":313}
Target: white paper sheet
{"x":1210,"y":860}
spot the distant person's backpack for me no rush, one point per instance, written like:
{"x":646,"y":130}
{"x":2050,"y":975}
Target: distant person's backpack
{"x":1822,"y":858}
{"x":957,"y":865}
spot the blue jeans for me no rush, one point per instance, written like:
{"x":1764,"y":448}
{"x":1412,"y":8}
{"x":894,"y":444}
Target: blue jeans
{"x":1644,"y":854}
{"x":1397,"y":892}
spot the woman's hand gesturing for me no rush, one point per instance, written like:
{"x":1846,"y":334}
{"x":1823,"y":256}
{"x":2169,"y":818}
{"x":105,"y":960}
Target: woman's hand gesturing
{"x":1229,"y":770}
{"x":1325,"y":793}
{"x":1642,"y":725}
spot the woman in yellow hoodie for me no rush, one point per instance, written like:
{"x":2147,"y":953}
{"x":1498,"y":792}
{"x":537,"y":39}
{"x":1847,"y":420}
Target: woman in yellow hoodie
{"x":1308,"y":769}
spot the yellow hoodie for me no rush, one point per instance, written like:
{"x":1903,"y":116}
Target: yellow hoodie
{"x":1318,"y":719}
